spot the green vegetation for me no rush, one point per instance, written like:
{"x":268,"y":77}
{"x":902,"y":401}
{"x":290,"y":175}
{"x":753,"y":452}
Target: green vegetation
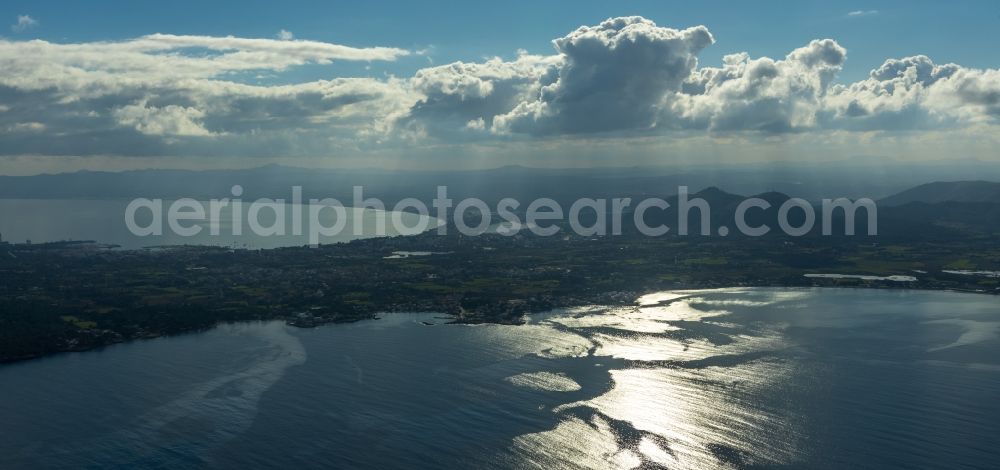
{"x":67,"y":297}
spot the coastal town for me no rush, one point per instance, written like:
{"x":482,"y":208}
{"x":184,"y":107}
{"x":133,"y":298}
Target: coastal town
{"x":75,"y":296}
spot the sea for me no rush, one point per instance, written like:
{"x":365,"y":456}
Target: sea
{"x":725,"y":378}
{"x":105,"y":221}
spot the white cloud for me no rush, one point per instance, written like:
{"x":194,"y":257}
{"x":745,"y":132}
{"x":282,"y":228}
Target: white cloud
{"x":131,"y":96}
{"x":171,"y":120}
{"x":858,"y":13}
{"x":41,"y":64}
{"x":285,"y":35}
{"x":629,"y":76}
{"x":915,"y":93}
{"x":476,"y":124}
{"x":24,"y":23}
{"x":760,"y":94}
{"x":625,"y":78}
{"x":613,"y":76}
{"x":26,"y":127}
{"x":453,"y":95}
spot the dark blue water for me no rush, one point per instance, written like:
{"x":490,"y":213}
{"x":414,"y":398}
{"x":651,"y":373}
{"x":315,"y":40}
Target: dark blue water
{"x":710,"y":379}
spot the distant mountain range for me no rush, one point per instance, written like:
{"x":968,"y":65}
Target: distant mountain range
{"x":522,"y":183}
{"x":973,"y":213}
{"x":940,"y":210}
{"x":941,"y":191}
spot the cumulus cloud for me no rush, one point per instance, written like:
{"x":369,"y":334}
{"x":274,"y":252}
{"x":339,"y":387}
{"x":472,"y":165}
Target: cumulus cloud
{"x":916,"y":93}
{"x":285,"y":35}
{"x":977,"y":89}
{"x":623,"y":78}
{"x":24,"y":23}
{"x":760,"y":94}
{"x":628,"y":75}
{"x":455,"y":95}
{"x":613,"y":76}
{"x":168,"y":120}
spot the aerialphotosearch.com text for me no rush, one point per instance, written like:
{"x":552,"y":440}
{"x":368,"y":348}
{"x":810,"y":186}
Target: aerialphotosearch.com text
{"x":588,"y":217}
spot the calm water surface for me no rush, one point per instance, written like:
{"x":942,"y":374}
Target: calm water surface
{"x":103,"y":221}
{"x":736,"y":378}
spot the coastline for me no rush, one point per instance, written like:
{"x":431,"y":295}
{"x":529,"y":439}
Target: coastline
{"x":75,"y":296}
{"x":296,"y":322}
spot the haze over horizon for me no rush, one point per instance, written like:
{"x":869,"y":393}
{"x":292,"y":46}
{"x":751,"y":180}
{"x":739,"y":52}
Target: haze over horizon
{"x":672,"y":87}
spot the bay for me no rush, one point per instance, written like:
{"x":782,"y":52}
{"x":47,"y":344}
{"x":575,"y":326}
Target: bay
{"x":817,"y":378}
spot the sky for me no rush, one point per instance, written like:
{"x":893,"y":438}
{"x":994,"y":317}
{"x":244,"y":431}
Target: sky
{"x":106,"y":85}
